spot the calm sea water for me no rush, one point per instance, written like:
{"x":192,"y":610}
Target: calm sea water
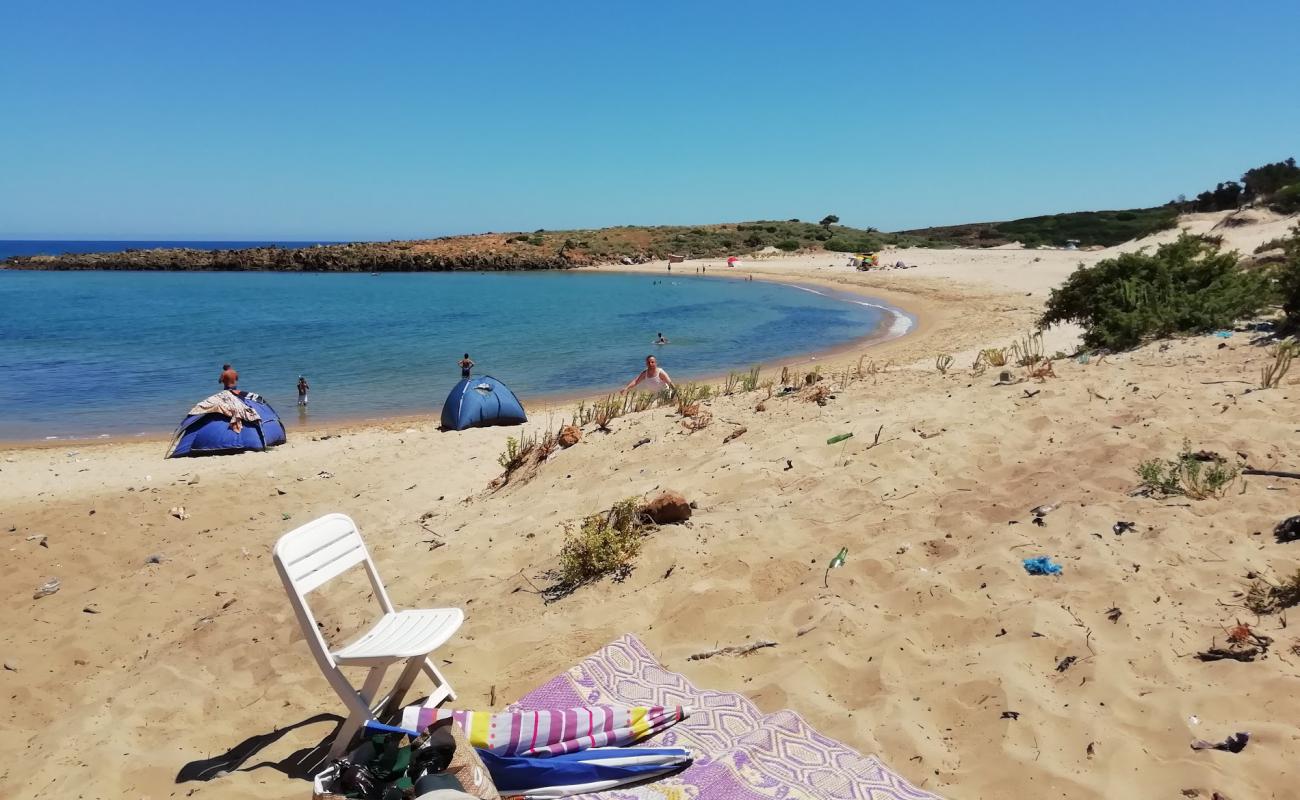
{"x":51,"y":247}
{"x":87,"y":354}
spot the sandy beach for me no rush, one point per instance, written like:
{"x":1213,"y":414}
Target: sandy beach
{"x":123,"y":682}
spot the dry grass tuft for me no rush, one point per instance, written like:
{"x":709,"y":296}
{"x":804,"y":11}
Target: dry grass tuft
{"x":1272,"y":374}
{"x":994,"y":356}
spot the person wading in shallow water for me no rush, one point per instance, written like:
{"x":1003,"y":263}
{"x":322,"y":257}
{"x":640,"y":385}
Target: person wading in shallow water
{"x":303,"y":386}
{"x":465,"y":366}
{"x":652,"y":378}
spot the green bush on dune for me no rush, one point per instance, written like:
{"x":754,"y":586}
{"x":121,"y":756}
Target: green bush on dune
{"x":1186,"y":286}
{"x":852,"y":244}
{"x":1287,"y":276}
{"x":1286,"y":200}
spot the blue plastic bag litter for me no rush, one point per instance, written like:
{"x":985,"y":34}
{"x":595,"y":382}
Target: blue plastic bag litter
{"x":1042,"y":566}
{"x":1223,"y":334}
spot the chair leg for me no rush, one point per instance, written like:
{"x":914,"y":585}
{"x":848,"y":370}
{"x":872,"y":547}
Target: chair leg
{"x":344,"y":737}
{"x":441,"y":688}
{"x":370,"y":689}
{"x":403,"y":685}
{"x":359,"y":711}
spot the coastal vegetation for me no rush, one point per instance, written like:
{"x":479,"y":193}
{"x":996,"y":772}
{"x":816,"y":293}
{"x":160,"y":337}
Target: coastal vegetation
{"x":600,"y":544}
{"x":1276,"y":185}
{"x":1199,"y":476}
{"x":540,"y":249}
{"x":1087,"y":228}
{"x":1186,"y":286}
{"x":1287,"y":275}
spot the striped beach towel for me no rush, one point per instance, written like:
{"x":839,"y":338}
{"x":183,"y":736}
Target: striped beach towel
{"x":550,"y":733}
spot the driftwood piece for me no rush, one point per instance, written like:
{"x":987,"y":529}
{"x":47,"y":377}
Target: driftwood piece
{"x":734,"y":650}
{"x":736,"y":434}
{"x":1223,"y":654}
{"x":1272,"y":473}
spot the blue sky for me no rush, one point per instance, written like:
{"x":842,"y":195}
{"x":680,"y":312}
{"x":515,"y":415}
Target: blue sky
{"x":323,"y":120}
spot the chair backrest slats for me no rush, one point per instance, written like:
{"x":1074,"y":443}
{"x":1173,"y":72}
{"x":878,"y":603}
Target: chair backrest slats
{"x":319,"y":551}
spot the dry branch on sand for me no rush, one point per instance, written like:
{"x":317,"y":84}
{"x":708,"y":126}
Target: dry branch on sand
{"x":734,"y":650}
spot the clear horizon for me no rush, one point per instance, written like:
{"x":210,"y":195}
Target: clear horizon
{"x":324,"y":121}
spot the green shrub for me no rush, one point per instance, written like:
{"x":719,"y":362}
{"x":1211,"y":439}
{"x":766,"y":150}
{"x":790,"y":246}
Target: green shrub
{"x":602,"y":544}
{"x":1187,"y":475}
{"x":852,"y":244}
{"x":1286,"y":200}
{"x":1287,"y":276}
{"x":788,"y":245}
{"x":1186,"y":286}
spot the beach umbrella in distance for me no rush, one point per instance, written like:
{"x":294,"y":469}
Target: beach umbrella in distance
{"x":732,"y":261}
{"x":594,"y":770}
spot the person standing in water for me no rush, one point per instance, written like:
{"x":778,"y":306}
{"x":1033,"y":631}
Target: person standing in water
{"x":652,"y":379}
{"x":465,"y":366}
{"x":302,"y":390}
{"x":660,"y":339}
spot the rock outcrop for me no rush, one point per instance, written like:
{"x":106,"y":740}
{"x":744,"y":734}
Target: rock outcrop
{"x":487,"y":252}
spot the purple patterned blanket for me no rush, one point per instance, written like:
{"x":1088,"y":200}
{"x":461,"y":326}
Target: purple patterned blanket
{"x":740,"y":753}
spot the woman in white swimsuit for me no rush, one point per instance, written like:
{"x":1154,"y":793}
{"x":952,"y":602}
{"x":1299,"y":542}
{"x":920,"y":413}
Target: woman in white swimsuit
{"x":652,"y":379}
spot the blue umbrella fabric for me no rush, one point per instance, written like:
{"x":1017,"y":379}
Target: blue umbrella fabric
{"x":593,"y":770}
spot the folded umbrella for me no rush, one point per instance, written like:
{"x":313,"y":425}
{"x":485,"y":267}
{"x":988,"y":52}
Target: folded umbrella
{"x":552,"y":732}
{"x":593,"y":770}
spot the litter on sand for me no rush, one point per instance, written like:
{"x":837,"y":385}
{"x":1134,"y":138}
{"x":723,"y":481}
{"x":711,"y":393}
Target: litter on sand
{"x":1233,"y":744}
{"x":837,"y":561}
{"x":839,"y":438}
{"x":46,"y":589}
{"x":1042,"y":565}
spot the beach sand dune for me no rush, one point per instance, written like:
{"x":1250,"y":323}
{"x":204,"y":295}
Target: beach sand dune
{"x":135,"y":677}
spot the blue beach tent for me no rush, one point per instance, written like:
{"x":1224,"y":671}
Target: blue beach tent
{"x":210,"y":434}
{"x":481,"y":401}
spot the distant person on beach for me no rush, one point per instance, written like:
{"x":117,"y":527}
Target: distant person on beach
{"x":230,"y":379}
{"x":465,"y":366}
{"x":652,"y":379}
{"x":302,"y":390}
{"x":660,"y":339}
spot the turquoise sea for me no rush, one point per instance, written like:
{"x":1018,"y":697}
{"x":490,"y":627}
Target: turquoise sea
{"x":98,"y":354}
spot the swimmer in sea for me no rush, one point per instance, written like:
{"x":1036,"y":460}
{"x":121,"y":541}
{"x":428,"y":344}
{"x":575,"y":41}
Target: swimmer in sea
{"x":660,"y":339}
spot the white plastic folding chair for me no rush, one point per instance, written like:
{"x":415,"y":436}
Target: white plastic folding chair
{"x":309,"y":557}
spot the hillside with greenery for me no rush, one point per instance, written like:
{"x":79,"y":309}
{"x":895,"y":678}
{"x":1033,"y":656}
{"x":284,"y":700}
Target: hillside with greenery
{"x":1088,"y":228}
{"x":1275,"y":185}
{"x":540,"y":249}
{"x":718,"y":241}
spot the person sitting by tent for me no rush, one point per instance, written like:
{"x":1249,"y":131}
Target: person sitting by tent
{"x":466,"y":364}
{"x":660,"y":339}
{"x":651,"y":379}
{"x":229,"y":379}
